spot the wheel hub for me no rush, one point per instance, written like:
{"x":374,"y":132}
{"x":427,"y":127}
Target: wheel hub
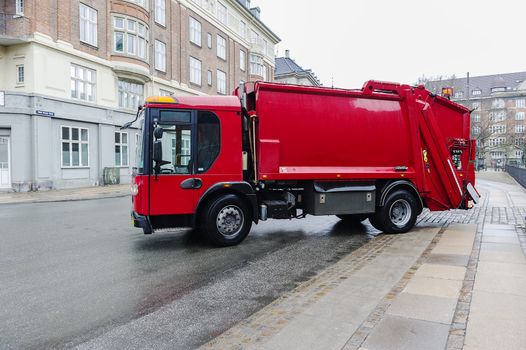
{"x":400,"y":212}
{"x":230,"y":220}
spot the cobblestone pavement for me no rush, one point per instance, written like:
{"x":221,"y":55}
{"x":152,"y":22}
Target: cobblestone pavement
{"x":503,"y":202}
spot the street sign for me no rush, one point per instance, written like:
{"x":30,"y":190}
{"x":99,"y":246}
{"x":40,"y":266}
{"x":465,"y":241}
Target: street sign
{"x":45,"y":113}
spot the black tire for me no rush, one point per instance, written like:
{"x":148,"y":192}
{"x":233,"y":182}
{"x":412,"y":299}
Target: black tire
{"x":226,"y":221}
{"x":353,"y":218}
{"x":399,"y":213}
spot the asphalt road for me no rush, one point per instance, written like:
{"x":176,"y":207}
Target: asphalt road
{"x":76,"y":274}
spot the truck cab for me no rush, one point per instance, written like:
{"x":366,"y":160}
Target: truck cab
{"x":189,"y":153}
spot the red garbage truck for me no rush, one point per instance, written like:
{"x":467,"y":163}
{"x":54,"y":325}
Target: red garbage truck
{"x":275,"y":151}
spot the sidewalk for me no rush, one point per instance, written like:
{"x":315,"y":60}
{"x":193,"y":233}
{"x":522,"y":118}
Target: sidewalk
{"x":458,"y":281}
{"x":64,"y":195}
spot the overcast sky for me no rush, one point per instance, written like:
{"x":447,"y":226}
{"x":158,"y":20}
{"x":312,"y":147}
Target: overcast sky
{"x":352,"y":41}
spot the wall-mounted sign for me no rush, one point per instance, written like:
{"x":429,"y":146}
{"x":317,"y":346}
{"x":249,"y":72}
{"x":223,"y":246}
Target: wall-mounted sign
{"x":45,"y":113}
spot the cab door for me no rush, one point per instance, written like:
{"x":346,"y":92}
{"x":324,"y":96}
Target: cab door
{"x":172,"y":188}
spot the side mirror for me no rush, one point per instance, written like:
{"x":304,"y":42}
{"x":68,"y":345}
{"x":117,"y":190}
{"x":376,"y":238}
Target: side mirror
{"x":158,"y":150}
{"x":158,"y":132}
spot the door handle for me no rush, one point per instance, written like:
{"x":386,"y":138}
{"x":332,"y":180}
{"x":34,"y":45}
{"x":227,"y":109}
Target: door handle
{"x":191,"y":183}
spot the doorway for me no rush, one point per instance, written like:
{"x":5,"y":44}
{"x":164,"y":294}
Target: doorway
{"x":5,"y":162}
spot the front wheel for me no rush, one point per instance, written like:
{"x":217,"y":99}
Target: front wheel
{"x":398,"y":215}
{"x":226,"y":221}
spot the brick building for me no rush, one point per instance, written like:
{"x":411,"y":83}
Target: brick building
{"x":72,"y":72}
{"x":498,"y":118}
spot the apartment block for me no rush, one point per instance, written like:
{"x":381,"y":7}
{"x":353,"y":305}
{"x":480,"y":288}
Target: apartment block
{"x":498,"y":105}
{"x":72,"y":72}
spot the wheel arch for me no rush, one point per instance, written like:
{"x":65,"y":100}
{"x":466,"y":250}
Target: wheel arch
{"x":397,"y":185}
{"x":243,"y":190}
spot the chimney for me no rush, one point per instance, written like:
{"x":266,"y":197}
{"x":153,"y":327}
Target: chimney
{"x":256,"y":11}
{"x":287,"y":53}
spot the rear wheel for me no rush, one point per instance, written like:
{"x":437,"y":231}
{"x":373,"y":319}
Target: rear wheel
{"x":226,"y":221}
{"x":398,"y":215}
{"x":353,"y":218}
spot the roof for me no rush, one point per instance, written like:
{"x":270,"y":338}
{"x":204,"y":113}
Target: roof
{"x":484,"y":83}
{"x":217,"y":102}
{"x":242,"y":3}
{"x":286,"y":66}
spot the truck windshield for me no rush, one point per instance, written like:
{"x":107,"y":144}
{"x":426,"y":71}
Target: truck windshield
{"x":139,"y":159}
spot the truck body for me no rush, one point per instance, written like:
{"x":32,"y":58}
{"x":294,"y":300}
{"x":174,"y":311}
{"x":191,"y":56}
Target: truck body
{"x":219,"y":163}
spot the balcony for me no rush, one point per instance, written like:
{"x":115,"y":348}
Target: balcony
{"x":14,"y":29}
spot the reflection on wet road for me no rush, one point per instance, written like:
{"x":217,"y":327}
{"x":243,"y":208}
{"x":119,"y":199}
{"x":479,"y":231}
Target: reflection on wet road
{"x":73,"y":272}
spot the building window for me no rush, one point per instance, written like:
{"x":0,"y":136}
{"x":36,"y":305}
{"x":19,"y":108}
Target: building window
{"x":498,"y":103}
{"x":242,"y":29}
{"x":209,"y":78}
{"x":165,"y":92}
{"x":221,"y":13}
{"x":256,"y":65}
{"x":19,"y":7}
{"x":519,"y":103}
{"x":195,"y":71}
{"x":519,"y":129}
{"x":88,"y":25}
{"x":160,"y":56}
{"x":130,"y":37}
{"x":221,"y":82}
{"x":458,"y":94}
{"x":20,"y":74}
{"x":221,"y":47}
{"x":160,"y":12}
{"x":497,"y":129}
{"x":476,"y":92}
{"x":476,"y":130}
{"x":75,"y":147}
{"x":475,"y":118}
{"x":195,"y":31}
{"x":519,"y":142}
{"x":519,"y":116}
{"x":131,"y":94}
{"x":121,"y":148}
{"x":83,"y":83}
{"x":209,"y":40}
{"x":142,"y":3}
{"x":475,"y":105}
{"x":242,"y":60}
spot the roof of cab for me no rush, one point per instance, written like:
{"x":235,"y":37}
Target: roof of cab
{"x":201,"y":102}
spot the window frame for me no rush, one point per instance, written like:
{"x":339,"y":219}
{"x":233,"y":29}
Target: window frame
{"x":196,"y":31}
{"x":121,"y":144}
{"x":20,"y":69}
{"x":88,"y":25}
{"x":139,"y":97}
{"x":138,"y":34}
{"x":70,"y":142}
{"x":77,"y":81}
{"x":209,"y":78}
{"x":222,"y":16}
{"x":160,"y":12}
{"x":19,"y":7}
{"x":191,"y":69}
{"x":160,"y":56}
{"x":242,"y":60}
{"x":221,"y":88}
{"x":221,"y":47}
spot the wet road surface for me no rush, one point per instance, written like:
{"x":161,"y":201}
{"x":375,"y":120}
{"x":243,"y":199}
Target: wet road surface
{"x":77,"y":274}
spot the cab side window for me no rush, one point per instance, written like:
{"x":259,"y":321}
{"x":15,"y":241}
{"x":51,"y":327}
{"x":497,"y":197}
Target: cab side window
{"x":208,"y":140}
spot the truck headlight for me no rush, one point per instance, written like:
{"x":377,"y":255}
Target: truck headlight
{"x":134,"y":189}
